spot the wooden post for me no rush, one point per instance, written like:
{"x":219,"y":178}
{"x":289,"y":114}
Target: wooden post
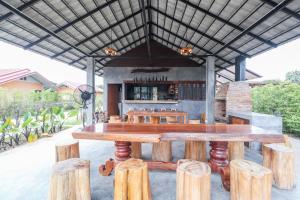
{"x":236,"y":150}
{"x":66,"y":149}
{"x":136,"y":147}
{"x":70,"y":179}
{"x":132,"y":181}
{"x":195,"y":150}
{"x":192,"y":180}
{"x":249,"y":180}
{"x":281,"y":160}
{"x":161,"y":151}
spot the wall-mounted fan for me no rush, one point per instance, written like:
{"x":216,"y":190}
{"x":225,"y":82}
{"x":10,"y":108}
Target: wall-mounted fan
{"x":82,"y":96}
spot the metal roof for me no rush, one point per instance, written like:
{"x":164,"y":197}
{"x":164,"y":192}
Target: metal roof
{"x":70,"y":30}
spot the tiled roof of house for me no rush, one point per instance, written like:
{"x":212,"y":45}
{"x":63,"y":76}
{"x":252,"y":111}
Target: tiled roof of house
{"x":8,"y":75}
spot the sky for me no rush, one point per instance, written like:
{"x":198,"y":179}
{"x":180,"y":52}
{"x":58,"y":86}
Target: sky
{"x":273,"y":64}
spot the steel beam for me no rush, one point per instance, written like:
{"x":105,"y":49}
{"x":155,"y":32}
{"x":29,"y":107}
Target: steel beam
{"x":17,"y":12}
{"x":99,"y":33}
{"x":258,"y":22}
{"x":285,"y":10}
{"x":128,"y":45}
{"x":71,"y":23}
{"x":200,"y":32}
{"x":272,"y":44}
{"x":105,"y":45}
{"x":240,"y":68}
{"x":199,"y":47}
{"x":146,"y":32}
{"x":20,"y":8}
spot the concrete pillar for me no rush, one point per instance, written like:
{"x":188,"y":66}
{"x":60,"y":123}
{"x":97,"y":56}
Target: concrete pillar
{"x":90,"y":80}
{"x":240,"y":68}
{"x":210,"y":89}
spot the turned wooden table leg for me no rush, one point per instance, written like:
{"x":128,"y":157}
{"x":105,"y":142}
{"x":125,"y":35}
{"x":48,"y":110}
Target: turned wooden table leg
{"x":219,"y":161}
{"x":122,"y":153}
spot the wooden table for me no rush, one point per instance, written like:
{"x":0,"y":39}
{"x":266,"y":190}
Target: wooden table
{"x":182,"y":115}
{"x":218,"y":135}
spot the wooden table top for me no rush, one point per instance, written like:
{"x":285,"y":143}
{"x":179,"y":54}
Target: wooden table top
{"x":157,"y":113}
{"x":172,"y":132}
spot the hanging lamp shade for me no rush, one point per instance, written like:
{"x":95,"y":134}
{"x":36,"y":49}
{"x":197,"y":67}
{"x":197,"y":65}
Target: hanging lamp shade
{"x":186,"y":51}
{"x":110,"y":51}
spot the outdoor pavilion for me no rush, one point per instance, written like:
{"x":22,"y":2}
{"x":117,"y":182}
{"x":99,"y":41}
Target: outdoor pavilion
{"x":226,"y":32}
{"x":222,"y":34}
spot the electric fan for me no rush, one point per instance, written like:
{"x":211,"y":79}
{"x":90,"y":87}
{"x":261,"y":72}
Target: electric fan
{"x":82,"y":94}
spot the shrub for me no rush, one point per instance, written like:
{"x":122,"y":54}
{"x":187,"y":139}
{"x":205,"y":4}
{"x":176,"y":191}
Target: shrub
{"x":281,"y":99}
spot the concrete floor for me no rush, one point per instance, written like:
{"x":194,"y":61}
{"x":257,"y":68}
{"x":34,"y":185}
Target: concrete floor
{"x":25,"y":171}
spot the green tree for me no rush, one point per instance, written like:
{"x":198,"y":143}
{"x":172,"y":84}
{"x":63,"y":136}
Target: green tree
{"x":293,"y":76}
{"x":281,"y":99}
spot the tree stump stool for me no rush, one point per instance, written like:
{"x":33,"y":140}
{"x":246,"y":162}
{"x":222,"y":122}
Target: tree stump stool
{"x":236,"y":150}
{"x":195,"y":150}
{"x":132,"y":180}
{"x":161,"y":151}
{"x":249,"y":180}
{"x":281,"y":160}
{"x":66,"y":149}
{"x":70,"y":179}
{"x":136,"y":147}
{"x":192,"y":180}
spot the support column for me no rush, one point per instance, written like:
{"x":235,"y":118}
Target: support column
{"x":240,"y":68}
{"x":90,"y":80}
{"x":210,"y":89}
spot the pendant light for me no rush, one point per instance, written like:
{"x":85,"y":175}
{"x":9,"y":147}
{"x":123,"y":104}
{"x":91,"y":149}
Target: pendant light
{"x":110,"y":51}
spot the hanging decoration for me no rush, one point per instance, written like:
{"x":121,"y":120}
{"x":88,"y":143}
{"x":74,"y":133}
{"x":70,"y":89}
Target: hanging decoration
{"x":187,"y":50}
{"x":110,"y":51}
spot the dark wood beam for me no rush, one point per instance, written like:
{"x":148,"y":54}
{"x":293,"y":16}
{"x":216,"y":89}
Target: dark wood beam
{"x":153,"y":57}
{"x":22,"y":15}
{"x":71,"y":23}
{"x":285,"y":10}
{"x":20,"y":8}
{"x":258,"y":22}
{"x":99,"y":33}
{"x":272,"y":44}
{"x":146,"y":32}
{"x":200,"y":32}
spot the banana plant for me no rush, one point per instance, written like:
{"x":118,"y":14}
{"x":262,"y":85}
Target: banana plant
{"x":61,"y":116}
{"x":28,"y":125}
{"x":43,"y":119}
{"x":10,"y":133}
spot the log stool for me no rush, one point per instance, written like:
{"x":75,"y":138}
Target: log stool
{"x":136,"y":147}
{"x":66,"y":149}
{"x":192,"y":180}
{"x":132,"y":180}
{"x":161,"y":151}
{"x":249,"y":180}
{"x":281,"y":160}
{"x":70,"y":179}
{"x":236,"y":150}
{"x":195,"y":150}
